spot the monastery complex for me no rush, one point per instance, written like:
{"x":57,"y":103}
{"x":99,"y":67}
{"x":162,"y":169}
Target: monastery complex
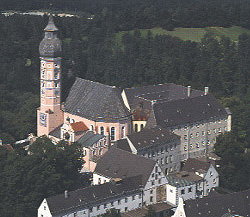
{"x":134,"y":140}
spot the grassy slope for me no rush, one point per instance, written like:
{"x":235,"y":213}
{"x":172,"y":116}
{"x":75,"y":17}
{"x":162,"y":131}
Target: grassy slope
{"x":193,"y":34}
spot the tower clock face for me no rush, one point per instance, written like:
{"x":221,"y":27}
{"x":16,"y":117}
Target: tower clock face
{"x":43,"y":119}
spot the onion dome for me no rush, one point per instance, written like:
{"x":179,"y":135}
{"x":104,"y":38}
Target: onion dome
{"x":50,"y":46}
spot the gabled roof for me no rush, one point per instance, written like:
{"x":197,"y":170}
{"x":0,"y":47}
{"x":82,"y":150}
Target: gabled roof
{"x":234,"y":203}
{"x":184,"y":111}
{"x":193,"y":165}
{"x":157,"y":93}
{"x":95,"y":101}
{"x":94,"y":195}
{"x":183,"y":178}
{"x":79,"y":126}
{"x":90,"y":139}
{"x":152,"y":137}
{"x":56,"y":132}
{"x":116,"y":163}
{"x":123,"y":145}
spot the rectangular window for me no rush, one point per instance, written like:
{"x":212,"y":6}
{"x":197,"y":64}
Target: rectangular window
{"x":152,"y":183}
{"x":133,"y":197}
{"x":171,"y":191}
{"x":156,"y":169}
{"x":190,"y":189}
{"x":98,"y":207}
{"x":119,"y":202}
{"x":126,"y":199}
{"x":151,"y":199}
{"x":183,"y":191}
{"x":166,"y":160}
{"x":126,"y":209}
{"x":171,"y":158}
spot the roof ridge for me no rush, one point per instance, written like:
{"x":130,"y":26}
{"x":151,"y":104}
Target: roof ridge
{"x":96,"y":82}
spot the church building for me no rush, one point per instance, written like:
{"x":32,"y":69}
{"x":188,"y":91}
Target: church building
{"x":90,"y":106}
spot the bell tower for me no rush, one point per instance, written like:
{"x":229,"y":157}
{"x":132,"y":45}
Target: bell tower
{"x":50,"y":114}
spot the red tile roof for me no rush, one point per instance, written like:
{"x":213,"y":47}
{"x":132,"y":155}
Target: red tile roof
{"x":79,"y":126}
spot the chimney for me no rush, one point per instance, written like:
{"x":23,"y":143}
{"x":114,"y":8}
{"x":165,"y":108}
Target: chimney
{"x":206,"y":91}
{"x":188,"y":91}
{"x":66,"y":194}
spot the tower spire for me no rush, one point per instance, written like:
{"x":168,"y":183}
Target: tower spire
{"x":51,"y":27}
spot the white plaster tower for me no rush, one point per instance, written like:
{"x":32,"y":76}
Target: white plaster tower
{"x":50,"y":114}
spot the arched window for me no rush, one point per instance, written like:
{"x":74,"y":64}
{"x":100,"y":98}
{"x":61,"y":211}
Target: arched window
{"x":123,"y":131}
{"x":66,"y":136}
{"x":142,"y":127}
{"x":136,"y":127}
{"x":112,"y":135}
{"x":102,"y":130}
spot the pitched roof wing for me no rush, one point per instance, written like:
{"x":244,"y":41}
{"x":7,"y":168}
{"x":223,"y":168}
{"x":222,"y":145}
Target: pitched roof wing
{"x":159,"y":92}
{"x":151,"y":137}
{"x":117,"y":163}
{"x":184,"y":111}
{"x":94,"y":194}
{"x":193,"y":165}
{"x":95,"y":101}
{"x":237,"y":203}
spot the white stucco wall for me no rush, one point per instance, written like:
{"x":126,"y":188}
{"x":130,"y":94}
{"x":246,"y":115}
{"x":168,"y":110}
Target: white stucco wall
{"x":43,"y":210}
{"x":172,"y":194}
{"x":158,"y":179}
{"x":180,"y":212}
{"x":97,"y":177}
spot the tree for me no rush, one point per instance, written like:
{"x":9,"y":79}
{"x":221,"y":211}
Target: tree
{"x":48,"y":170}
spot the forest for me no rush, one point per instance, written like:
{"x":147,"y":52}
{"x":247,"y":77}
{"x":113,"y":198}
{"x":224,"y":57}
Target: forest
{"x":90,"y":51}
